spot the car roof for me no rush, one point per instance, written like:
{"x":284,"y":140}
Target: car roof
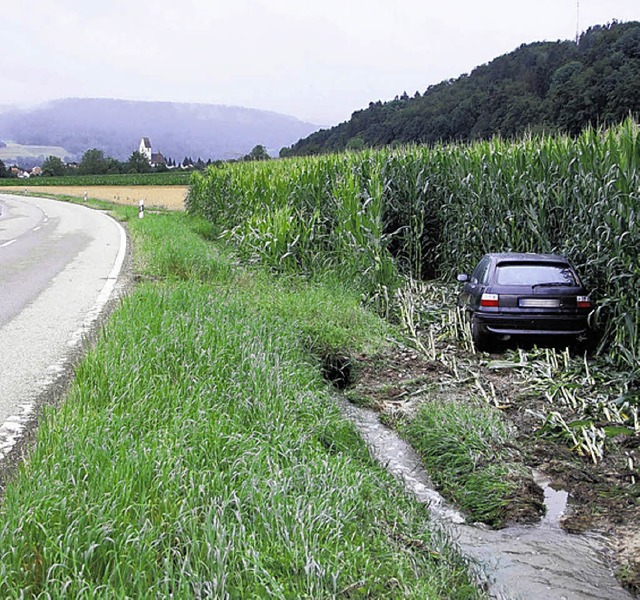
{"x":499,"y":257}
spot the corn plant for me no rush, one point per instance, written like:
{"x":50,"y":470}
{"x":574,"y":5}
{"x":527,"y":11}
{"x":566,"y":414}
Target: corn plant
{"x":430,"y":212}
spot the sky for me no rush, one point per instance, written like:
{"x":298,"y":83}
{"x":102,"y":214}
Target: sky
{"x":318,"y":60}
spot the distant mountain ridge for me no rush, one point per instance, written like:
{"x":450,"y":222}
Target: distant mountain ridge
{"x":207,"y":131}
{"x":541,"y":87}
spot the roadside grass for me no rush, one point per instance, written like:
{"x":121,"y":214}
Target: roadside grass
{"x":199,"y":453}
{"x":327,"y":316}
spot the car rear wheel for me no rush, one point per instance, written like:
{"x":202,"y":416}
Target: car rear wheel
{"x":481,"y":339}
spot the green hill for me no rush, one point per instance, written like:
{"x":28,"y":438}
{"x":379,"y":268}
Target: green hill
{"x":546,"y":86}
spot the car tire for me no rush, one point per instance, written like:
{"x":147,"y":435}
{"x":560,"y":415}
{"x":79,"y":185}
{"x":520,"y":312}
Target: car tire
{"x":587,"y":342}
{"x":481,"y":339}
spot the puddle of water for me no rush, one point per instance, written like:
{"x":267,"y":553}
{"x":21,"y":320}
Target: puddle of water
{"x":555,"y":501}
{"x":516,"y":563}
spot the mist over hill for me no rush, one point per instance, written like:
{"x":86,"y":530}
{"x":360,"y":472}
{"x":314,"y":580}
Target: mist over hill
{"x":177,"y":130}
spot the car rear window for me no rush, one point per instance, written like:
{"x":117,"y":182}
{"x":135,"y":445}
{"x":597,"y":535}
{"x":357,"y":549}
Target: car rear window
{"x":532,"y":274}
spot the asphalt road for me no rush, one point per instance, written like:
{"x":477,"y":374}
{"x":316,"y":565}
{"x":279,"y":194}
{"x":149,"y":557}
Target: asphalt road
{"x":59,"y":265}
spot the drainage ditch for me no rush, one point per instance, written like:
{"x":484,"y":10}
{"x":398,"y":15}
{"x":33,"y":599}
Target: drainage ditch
{"x":523,"y":562}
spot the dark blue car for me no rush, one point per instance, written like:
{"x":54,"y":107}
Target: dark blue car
{"x":512,"y":294}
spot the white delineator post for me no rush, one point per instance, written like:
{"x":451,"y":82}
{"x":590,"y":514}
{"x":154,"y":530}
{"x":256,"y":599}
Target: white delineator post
{"x":141,"y":209}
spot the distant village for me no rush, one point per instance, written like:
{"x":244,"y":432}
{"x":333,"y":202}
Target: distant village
{"x":155,"y":161}
{"x":142,"y":160}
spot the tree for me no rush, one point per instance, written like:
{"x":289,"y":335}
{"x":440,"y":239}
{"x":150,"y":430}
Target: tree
{"x":259,"y":152}
{"x":53,"y":167}
{"x":137,"y":163}
{"x":3,"y":170}
{"x":355,"y":143}
{"x":567,"y":97}
{"x":93,"y":163}
{"x":114,"y":166}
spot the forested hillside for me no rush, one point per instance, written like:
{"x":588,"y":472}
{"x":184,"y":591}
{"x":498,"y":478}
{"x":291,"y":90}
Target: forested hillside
{"x":546,"y":86}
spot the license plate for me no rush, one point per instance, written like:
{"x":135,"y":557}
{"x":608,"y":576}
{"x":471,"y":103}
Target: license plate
{"x":539,"y":302}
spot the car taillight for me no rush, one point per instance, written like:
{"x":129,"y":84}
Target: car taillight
{"x":489,"y":300}
{"x":583,"y":302}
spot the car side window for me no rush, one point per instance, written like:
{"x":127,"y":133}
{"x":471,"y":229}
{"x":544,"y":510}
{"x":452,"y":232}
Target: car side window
{"x":479,"y":274}
{"x":484,"y":277}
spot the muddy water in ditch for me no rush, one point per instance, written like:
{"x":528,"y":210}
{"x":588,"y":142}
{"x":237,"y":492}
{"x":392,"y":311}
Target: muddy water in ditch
{"x":532,"y":562}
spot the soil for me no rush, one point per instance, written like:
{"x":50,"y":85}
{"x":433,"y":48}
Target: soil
{"x":603,"y":497}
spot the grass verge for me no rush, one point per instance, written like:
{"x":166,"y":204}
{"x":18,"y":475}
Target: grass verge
{"x":199,"y":453}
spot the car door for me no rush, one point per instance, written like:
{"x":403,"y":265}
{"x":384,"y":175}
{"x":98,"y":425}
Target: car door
{"x":472,"y":290}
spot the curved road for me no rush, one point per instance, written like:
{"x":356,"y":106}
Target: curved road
{"x":59,"y":264}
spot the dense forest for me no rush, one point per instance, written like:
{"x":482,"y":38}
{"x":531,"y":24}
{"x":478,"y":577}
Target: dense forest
{"x":545,"y":86}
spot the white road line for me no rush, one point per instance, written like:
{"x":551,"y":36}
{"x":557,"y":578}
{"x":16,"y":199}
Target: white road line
{"x":8,"y":243}
{"x":105,"y":294}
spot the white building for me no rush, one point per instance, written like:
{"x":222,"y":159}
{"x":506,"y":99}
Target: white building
{"x":145,"y":148}
{"x":154,"y":158}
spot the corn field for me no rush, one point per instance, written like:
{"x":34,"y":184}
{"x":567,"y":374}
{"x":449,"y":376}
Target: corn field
{"x":431,"y":212}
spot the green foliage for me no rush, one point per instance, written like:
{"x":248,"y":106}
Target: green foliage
{"x":167,"y":248}
{"x":304,"y":216}
{"x":550,"y":86}
{"x":258,"y":152}
{"x":53,"y":166}
{"x":93,"y":162}
{"x":463,"y":448}
{"x":175,"y":177}
{"x":3,"y":170}
{"x":137,"y":163}
{"x":326,"y":313}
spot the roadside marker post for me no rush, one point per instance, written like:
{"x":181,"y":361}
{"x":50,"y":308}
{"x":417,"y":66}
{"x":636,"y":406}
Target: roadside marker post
{"x":141,"y":209}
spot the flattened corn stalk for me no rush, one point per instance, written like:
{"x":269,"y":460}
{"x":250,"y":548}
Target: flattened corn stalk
{"x":587,"y":404}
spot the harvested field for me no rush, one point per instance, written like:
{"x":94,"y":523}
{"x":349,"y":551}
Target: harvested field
{"x":159,"y":196}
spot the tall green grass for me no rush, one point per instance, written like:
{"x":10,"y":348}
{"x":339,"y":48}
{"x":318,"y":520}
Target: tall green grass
{"x":463,"y":446}
{"x":200,"y":454}
{"x":433,"y":211}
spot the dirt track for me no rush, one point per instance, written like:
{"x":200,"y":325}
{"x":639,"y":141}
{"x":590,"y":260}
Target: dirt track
{"x":170,"y":197}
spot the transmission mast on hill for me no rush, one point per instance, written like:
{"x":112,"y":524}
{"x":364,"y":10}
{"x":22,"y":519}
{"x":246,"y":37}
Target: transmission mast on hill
{"x":577,"y":22}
